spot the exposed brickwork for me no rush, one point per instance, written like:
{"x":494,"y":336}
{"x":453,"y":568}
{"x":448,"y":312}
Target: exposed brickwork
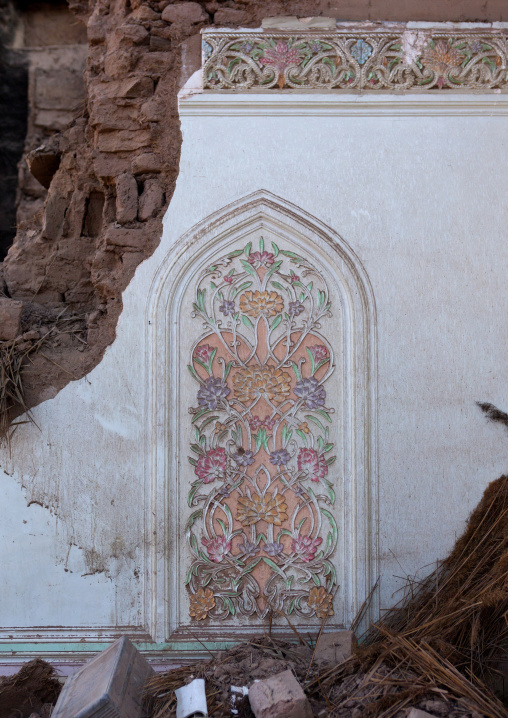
{"x":119,"y":156}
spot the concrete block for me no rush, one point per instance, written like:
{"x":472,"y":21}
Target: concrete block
{"x":335,"y":647}
{"x":111,"y":684}
{"x":10,"y":318}
{"x":279,"y":697}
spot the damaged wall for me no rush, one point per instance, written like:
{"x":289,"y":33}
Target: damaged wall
{"x":102,"y":217}
{"x":119,"y":158}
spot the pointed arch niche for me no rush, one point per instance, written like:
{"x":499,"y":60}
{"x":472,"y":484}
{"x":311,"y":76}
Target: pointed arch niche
{"x":262,"y":428}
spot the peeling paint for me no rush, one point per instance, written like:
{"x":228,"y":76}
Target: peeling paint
{"x":413,"y":43}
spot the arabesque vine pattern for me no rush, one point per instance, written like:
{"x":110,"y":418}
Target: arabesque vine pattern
{"x":261,"y":529}
{"x":355,"y":60}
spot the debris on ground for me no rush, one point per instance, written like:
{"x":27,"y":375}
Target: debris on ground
{"x":437,"y":651}
{"x":34,"y":689}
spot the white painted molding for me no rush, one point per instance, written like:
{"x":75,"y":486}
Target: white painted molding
{"x":341,"y":105}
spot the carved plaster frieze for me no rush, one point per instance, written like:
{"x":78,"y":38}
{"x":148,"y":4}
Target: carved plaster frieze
{"x":382,"y":59}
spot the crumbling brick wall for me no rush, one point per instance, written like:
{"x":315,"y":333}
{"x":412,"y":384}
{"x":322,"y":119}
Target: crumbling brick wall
{"x":118,"y":159}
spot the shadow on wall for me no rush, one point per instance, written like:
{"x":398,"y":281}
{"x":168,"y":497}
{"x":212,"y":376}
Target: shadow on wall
{"x":13,"y":126}
{"x":41,"y":84}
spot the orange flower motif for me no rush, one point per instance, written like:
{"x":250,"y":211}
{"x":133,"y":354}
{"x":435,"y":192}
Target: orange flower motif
{"x":269,"y":508}
{"x":201,"y":603}
{"x":442,"y":58}
{"x":304,"y":427}
{"x":264,"y":303}
{"x":254,"y":382}
{"x":321,"y":601}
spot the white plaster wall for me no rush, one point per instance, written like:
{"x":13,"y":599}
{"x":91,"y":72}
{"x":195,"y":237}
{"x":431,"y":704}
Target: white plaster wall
{"x":420,"y":196}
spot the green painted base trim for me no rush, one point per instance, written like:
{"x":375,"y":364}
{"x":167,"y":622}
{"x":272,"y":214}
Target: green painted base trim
{"x":70,"y":651}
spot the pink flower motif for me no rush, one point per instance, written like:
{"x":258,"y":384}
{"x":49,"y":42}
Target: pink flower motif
{"x":203,"y":352}
{"x":217,"y":548}
{"x":261,"y":259}
{"x":313,"y":463}
{"x":257,"y":423}
{"x":294,"y":278}
{"x":280,"y":57}
{"x":319,"y":352}
{"x":228,"y":279}
{"x":212,"y":465}
{"x":305,"y":547}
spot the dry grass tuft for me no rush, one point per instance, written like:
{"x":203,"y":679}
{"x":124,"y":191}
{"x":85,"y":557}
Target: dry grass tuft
{"x":16,"y":355}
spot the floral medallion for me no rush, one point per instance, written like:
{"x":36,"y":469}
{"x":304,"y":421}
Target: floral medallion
{"x":261,"y":530}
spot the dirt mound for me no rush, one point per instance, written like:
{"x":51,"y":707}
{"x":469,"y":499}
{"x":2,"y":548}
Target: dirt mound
{"x":34,"y":686}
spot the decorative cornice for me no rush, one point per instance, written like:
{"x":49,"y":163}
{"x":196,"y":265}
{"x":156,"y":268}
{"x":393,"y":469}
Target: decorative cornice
{"x":316,"y":104}
{"x":393,"y":60}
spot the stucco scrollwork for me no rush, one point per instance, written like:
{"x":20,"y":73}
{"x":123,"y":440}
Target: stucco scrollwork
{"x":345,"y":60}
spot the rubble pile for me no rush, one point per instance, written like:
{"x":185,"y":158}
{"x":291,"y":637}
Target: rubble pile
{"x":34,"y":689}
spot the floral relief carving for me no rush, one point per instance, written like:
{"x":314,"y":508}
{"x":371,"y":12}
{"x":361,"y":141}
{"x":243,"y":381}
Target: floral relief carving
{"x":379,"y":60}
{"x":261,"y":528}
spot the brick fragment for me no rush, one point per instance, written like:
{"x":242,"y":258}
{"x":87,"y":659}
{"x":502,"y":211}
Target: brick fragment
{"x":109,"y":165}
{"x":151,"y":200}
{"x":135,"y":34}
{"x":131,"y":87}
{"x":279,"y":697}
{"x":145,"y":14}
{"x":185,"y":13}
{"x":97,"y":28}
{"x":10,"y":318}
{"x":230,"y":16}
{"x":123,"y":140}
{"x":146,"y":162}
{"x":54,"y":216}
{"x":126,"y":238}
{"x":126,"y":198}
{"x":159,"y":44}
{"x":155,"y":63}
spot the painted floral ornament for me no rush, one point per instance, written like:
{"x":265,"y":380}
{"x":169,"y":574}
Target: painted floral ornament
{"x":261,"y":525}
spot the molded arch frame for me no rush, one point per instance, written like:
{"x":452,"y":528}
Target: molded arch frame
{"x":259,"y":210}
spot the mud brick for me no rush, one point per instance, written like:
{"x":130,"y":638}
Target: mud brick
{"x":279,"y":697}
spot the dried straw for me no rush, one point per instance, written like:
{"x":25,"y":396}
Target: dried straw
{"x":15,"y":357}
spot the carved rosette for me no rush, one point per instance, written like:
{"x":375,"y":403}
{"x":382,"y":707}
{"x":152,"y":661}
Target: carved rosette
{"x":380,"y":60}
{"x":261,"y":530}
